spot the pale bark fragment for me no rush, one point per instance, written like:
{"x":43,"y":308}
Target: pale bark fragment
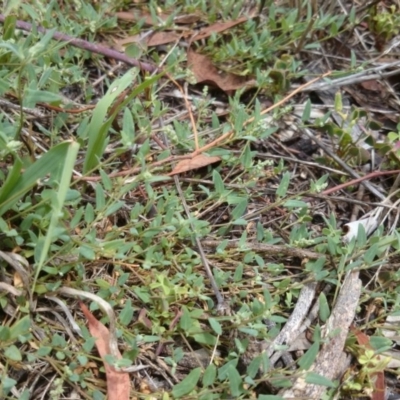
{"x":328,"y":360}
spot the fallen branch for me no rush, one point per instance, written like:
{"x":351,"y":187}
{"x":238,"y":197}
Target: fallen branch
{"x":85,"y":45}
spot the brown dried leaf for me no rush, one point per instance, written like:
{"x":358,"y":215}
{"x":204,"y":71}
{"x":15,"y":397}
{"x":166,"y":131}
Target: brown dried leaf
{"x":372,"y":85}
{"x":118,"y":383}
{"x":139,"y":15}
{"x":201,"y":160}
{"x":187,"y":19}
{"x":155,"y":39}
{"x":159,"y":38}
{"x":144,"y":319}
{"x":205,"y":72}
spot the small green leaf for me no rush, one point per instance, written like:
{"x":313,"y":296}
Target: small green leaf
{"x":361,"y":236}
{"x":41,"y":46}
{"x":100,"y":198}
{"x":235,"y":381}
{"x":66,"y":164}
{"x":237,"y":277}
{"x":185,"y":321}
{"x":13,"y":353}
{"x":44,"y":351}
{"x":209,"y":375}
{"x":87,"y":252}
{"x":126,"y":314}
{"x":239,"y":210}
{"x":106,"y":181}
{"x":307,"y":111}
{"x":5,"y":334}
{"x":338,"y":102}
{"x":33,"y":96}
{"x":215,"y":325}
{"x":254,"y":366}
{"x":380,"y":344}
{"x":283,"y":185}
{"x":114,"y":207}
{"x":324,"y":310}
{"x":7,"y":384}
{"x":10,"y":21}
{"x":205,"y":338}
{"x":89,"y":213}
{"x":316,"y":379}
{"x":188,"y":384}
{"x":307,"y":359}
{"x":295,"y":204}
{"x":218,"y":182}
{"x":21,"y":327}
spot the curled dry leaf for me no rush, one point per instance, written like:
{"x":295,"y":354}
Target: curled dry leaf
{"x":206,"y":72}
{"x":199,"y":161}
{"x":369,"y":222}
{"x":118,"y":383}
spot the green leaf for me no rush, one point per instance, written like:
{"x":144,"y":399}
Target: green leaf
{"x":100,"y":198}
{"x":283,"y":185}
{"x":309,"y":357}
{"x":12,"y":48}
{"x":295,"y":204}
{"x":12,"y":353}
{"x":7,"y":384}
{"x":269,"y":397}
{"x":128,"y":127}
{"x":49,"y":163}
{"x":87,"y":252}
{"x":370,"y":254}
{"x":99,"y":125}
{"x":209,"y":375}
{"x":44,"y":351}
{"x":215,"y":325}
{"x":361,"y":236}
{"x":42,"y":45}
{"x":218,"y":182}
{"x":5,"y":334}
{"x":106,"y":181}
{"x":21,"y":327}
{"x":9,"y":22}
{"x":254,"y":366}
{"x":239,"y":210}
{"x":33,"y":96}
{"x":324,"y":310}
{"x":126,"y":313}
{"x":205,"y":338}
{"x":237,"y":277}
{"x":67,"y":163}
{"x":307,"y":111}
{"x":113,"y":208}
{"x":185,"y":321}
{"x":188,"y":384}
{"x":380,"y":344}
{"x":223,"y":371}
{"x":316,"y":379}
{"x":89,"y":213}
{"x":235,"y":381}
{"x":338,"y":102}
